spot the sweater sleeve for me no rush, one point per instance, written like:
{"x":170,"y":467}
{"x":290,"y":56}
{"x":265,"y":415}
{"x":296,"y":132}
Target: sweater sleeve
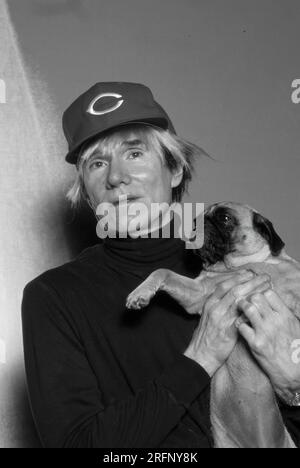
{"x":291,"y":418}
{"x":64,"y":394}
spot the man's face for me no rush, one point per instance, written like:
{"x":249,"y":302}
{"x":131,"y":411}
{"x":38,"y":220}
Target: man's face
{"x":127,"y":163}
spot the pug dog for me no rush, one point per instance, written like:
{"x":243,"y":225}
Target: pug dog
{"x":244,"y":408}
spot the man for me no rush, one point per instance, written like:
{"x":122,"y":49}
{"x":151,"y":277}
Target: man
{"x":100,"y":375}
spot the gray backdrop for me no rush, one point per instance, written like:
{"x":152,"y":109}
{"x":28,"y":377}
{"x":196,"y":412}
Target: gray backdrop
{"x":222,"y":69}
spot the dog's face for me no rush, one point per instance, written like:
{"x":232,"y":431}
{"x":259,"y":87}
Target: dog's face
{"x":238,"y":230}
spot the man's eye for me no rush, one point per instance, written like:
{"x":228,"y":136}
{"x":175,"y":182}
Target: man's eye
{"x":135,"y":154}
{"x":97,"y":164}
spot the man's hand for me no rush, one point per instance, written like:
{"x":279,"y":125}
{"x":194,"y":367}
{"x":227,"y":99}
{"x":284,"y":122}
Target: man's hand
{"x":216,"y":335}
{"x":271,"y":334}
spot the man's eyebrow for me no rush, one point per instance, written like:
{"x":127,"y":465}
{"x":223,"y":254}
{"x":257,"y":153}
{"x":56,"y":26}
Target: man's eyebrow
{"x":135,"y":142}
{"x":97,"y":154}
{"x":125,"y":144}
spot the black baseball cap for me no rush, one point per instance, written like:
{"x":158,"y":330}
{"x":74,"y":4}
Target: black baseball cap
{"x":108,"y":105}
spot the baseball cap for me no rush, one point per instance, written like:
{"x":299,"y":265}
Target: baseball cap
{"x":107,"y":105}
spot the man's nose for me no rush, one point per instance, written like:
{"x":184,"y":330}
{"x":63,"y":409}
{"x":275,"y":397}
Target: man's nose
{"x":117,"y":174}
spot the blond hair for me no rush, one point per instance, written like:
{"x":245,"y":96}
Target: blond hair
{"x":175,"y":152}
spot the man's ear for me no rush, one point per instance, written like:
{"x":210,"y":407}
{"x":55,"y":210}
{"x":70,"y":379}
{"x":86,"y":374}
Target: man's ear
{"x":266,"y":229}
{"x":177,"y":176}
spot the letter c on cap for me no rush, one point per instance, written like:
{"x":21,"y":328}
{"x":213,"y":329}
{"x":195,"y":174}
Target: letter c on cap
{"x":91,"y":108}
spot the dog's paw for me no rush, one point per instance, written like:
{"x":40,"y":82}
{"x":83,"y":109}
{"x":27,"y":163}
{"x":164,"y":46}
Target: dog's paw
{"x":139,"y":298}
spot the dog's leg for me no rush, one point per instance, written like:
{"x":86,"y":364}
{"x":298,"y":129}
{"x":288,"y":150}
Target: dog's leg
{"x":186,"y":291}
{"x":142,"y":295}
{"x":191,"y":294}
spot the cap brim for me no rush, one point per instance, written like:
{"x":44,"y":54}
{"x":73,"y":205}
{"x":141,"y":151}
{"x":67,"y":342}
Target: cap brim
{"x":161,"y":122}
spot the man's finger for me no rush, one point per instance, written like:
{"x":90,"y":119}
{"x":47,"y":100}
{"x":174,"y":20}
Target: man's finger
{"x":224,"y":287}
{"x":262,"y":305}
{"x":277,"y":304}
{"x":211,"y":282}
{"x":242,"y":290}
{"x":260,"y":289}
{"x":246,"y":332}
{"x":251,"y":312}
{"x":231,"y":276}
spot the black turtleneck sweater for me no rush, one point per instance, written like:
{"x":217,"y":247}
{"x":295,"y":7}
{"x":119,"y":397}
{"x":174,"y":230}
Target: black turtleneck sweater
{"x":100,"y":375}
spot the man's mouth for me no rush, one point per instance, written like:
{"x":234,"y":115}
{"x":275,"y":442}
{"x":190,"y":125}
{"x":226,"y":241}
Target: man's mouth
{"x":123,"y":199}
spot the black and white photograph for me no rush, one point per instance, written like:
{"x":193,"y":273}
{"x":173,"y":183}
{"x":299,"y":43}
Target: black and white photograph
{"x":150,"y":226}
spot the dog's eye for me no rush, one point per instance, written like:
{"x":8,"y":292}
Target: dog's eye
{"x":224,"y":218}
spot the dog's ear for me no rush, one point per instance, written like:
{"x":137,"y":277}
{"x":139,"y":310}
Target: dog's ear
{"x":266,"y":229}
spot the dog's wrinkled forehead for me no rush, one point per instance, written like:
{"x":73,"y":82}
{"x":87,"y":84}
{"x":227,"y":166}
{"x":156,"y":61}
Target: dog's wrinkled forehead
{"x":238,"y":213}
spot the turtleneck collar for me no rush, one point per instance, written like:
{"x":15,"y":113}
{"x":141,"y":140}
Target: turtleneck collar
{"x":144,"y":253}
